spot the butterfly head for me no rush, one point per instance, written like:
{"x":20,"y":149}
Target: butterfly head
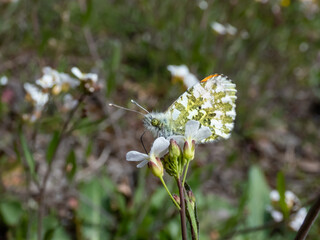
{"x":157,"y":124}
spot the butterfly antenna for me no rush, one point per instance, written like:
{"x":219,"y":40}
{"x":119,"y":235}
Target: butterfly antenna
{"x":141,"y":140}
{"x":137,"y":104}
{"x":123,"y":108}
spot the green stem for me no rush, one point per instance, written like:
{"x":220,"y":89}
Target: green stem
{"x":182,"y":210}
{"x":185,"y":173}
{"x":165,"y":186}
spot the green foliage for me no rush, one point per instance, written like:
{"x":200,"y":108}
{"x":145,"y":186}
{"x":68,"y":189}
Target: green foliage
{"x":28,"y":155}
{"x":258,"y":199}
{"x":281,"y":187}
{"x":53,"y":145}
{"x":11,"y":211}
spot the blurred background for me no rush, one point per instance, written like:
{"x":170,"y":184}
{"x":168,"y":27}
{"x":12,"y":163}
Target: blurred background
{"x":269,"y":48}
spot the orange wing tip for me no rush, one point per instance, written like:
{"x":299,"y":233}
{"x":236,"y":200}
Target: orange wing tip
{"x":209,"y":77}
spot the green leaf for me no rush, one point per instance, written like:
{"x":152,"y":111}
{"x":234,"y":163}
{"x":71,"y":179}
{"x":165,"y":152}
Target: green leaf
{"x":258,"y":199}
{"x":71,"y":165}
{"x":191,"y":213}
{"x":28,"y":155}
{"x":91,"y":212}
{"x":281,"y":187}
{"x":53,"y":145}
{"x":11,"y":212}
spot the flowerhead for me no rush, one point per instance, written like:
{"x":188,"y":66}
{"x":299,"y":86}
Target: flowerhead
{"x":36,"y":96}
{"x":56,"y":81}
{"x":38,"y":99}
{"x":3,"y":80}
{"x":296,"y":213}
{"x":223,"y":29}
{"x":69,"y":102}
{"x":193,"y":134}
{"x":89,"y":80}
{"x":182,"y":73}
{"x":158,"y":150}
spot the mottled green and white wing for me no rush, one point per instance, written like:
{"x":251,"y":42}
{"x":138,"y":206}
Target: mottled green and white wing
{"x":211,"y":102}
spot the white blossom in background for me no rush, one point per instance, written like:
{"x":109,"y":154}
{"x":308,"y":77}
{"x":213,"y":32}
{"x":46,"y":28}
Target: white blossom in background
{"x":49,"y":79}
{"x":56,"y":81}
{"x":69,"y":102}
{"x":277,"y":215}
{"x":223,"y":29}
{"x":38,"y":98}
{"x":84,"y":76}
{"x":231,"y":29}
{"x":182,"y":72}
{"x":297,"y":219}
{"x":3,"y":80}
{"x":158,"y":150}
{"x":203,"y":5}
{"x":297,"y":214}
{"x":310,"y":7}
{"x":89,"y":79}
{"x":291,"y":199}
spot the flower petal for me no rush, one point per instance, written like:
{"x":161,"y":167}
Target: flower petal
{"x":159,"y":147}
{"x":142,"y":164}
{"x":76,"y":71}
{"x":135,"y":156}
{"x":192,"y":128}
{"x":202,"y":134}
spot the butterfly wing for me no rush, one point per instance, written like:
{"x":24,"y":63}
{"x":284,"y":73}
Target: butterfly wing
{"x":211,"y":102}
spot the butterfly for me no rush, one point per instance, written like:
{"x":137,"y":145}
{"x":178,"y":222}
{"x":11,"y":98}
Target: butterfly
{"x":211,"y":102}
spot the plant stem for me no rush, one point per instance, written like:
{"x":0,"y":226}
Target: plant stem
{"x":42,"y":188}
{"x":309,"y":220}
{"x":182,"y":210}
{"x":165,"y":186}
{"x":185,"y":173}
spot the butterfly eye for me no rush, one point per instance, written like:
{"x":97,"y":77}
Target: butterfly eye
{"x":155,"y":122}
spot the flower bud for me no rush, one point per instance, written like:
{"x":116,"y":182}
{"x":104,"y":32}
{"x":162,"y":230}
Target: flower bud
{"x":171,"y":165}
{"x":174,"y":149}
{"x":156,"y":167}
{"x":176,"y":198}
{"x":188,"y":150}
{"x":192,"y":198}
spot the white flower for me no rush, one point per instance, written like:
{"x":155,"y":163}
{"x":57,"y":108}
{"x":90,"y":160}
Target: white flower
{"x":231,"y":29}
{"x":310,"y":8}
{"x":69,"y":102}
{"x":3,"y":80}
{"x":274,"y":196}
{"x":223,"y":29}
{"x":297,"y":219}
{"x":293,"y":204}
{"x":84,"y":76}
{"x":182,"y":72}
{"x":203,"y":5}
{"x":67,"y":79}
{"x":52,"y":79}
{"x":158,"y":150}
{"x":276,"y":215}
{"x":49,"y":79}
{"x":193,"y":132}
{"x":291,"y":200}
{"x":219,"y":28}
{"x":38,"y":97}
